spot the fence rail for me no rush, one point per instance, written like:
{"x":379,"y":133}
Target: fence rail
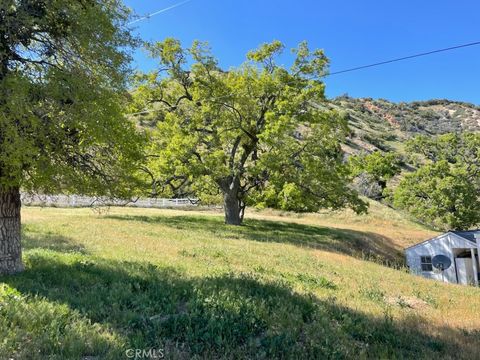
{"x":88,"y":201}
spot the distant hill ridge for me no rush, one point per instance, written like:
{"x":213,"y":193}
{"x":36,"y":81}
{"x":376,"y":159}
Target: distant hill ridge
{"x":382,"y":124}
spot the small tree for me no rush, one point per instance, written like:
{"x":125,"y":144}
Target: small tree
{"x":62,"y":83}
{"x":445,"y":190}
{"x":440,"y":195}
{"x":256,"y":133}
{"x":372,"y":171}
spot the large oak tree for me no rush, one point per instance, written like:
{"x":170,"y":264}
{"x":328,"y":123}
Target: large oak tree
{"x":63,"y":67}
{"x":255,"y":134}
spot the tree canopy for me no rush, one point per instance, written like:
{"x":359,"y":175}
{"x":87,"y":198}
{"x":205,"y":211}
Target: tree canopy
{"x":381,"y":165}
{"x":255,"y":134}
{"x":373,"y":170}
{"x":445,"y":190}
{"x":63,"y":72}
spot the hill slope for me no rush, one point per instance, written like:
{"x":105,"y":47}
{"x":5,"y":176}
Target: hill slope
{"x":381,"y":124}
{"x":281,"y":286}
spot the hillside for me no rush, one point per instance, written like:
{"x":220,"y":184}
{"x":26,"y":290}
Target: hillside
{"x":381,"y":124}
{"x":282,"y":286}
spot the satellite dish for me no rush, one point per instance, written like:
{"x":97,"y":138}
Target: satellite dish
{"x":441,"y":262}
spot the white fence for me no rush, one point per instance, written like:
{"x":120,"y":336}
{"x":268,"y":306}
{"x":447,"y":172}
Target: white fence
{"x":87,"y":201}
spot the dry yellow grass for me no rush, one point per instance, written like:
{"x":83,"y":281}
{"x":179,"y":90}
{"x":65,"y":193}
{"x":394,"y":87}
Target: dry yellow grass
{"x":394,"y":226}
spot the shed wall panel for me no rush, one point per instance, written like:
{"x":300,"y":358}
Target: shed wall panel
{"x":443,"y":245}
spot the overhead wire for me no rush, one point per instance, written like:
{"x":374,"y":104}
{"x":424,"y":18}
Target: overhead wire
{"x":353,"y":68}
{"x":159,"y":12}
{"x":404,"y":58}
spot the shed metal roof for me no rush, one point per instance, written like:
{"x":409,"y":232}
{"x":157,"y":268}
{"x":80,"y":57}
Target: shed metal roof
{"x":468,"y":235}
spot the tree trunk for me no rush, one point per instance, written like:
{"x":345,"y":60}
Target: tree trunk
{"x":231,"y":206}
{"x":10,"y":247}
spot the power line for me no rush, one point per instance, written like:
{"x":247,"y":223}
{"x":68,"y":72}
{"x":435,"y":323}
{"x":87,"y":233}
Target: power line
{"x":348,"y":70}
{"x":159,"y":12}
{"x":404,"y":58}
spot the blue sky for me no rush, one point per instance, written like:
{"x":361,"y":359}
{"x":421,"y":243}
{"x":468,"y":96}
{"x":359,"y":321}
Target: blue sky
{"x":352,"y":33}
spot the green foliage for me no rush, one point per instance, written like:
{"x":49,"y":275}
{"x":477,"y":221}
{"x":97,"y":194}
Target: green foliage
{"x":63,"y":72}
{"x":372,"y":171}
{"x":374,"y":294}
{"x":254,"y":134}
{"x":444,"y":191}
{"x":311,"y":281}
{"x":440,"y":195}
{"x":381,"y":165}
{"x":453,"y":148}
{"x":49,"y":328}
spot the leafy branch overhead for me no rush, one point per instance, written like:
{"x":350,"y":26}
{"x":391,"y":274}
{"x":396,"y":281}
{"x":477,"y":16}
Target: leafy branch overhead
{"x":253,"y":134}
{"x":64,"y":67}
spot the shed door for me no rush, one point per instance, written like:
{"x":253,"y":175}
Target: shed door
{"x":464,"y":271}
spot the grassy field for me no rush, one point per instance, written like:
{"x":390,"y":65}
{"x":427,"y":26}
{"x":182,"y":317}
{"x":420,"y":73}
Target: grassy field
{"x":282,"y":286}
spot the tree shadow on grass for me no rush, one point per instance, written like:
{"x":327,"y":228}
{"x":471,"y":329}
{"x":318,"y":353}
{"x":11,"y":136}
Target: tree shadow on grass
{"x":365,"y":245}
{"x":50,"y":241}
{"x":222,"y":316}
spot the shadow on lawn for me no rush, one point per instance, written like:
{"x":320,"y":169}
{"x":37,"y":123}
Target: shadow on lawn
{"x":223,"y":316}
{"x":49,"y":241}
{"x":366,"y":245}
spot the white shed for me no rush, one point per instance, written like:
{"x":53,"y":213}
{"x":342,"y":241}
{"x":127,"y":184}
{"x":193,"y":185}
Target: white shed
{"x":461,"y":247}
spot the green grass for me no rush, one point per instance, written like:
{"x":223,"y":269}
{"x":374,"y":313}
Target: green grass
{"x":279,"y":287}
